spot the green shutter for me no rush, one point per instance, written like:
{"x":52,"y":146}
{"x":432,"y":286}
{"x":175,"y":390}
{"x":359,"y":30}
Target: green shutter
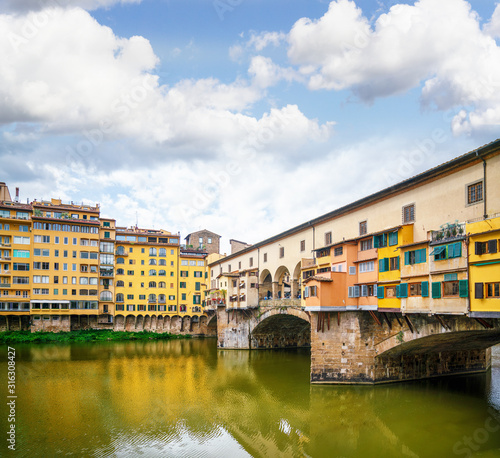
{"x":381,"y":265}
{"x":386,"y":264}
{"x":380,"y":292}
{"x":397,"y":263}
{"x":425,"y":289}
{"x":436,"y":290}
{"x":403,"y":290}
{"x":463,"y":288}
{"x":197,"y":286}
{"x":407,"y":258}
{"x":375,"y":241}
{"x":458,"y":250}
{"x":398,"y":291}
{"x":393,"y":238}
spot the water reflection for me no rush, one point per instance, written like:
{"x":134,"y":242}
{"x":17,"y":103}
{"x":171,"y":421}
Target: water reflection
{"x":185,"y":399}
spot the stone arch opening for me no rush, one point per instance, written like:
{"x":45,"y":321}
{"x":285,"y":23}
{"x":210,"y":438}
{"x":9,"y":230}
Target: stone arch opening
{"x":282,"y":330}
{"x":282,"y":285}
{"x":266,"y":285}
{"x":296,"y":282}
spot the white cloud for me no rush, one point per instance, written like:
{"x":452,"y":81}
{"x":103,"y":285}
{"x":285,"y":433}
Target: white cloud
{"x":37,"y":5}
{"x":438,"y":43}
{"x":262,"y":40}
{"x":73,"y":76}
{"x":492,"y":28}
{"x":266,"y":73}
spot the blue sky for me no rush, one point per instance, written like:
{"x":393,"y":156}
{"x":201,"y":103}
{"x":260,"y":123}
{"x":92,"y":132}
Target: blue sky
{"x":245,"y":117}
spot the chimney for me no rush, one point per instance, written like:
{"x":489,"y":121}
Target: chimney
{"x":17,"y":195}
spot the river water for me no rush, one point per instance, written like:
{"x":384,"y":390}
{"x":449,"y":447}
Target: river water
{"x":184,"y":398}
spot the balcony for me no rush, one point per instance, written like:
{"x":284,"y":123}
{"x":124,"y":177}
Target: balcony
{"x":106,"y":273}
{"x":119,"y":253}
{"x":448,"y":232}
{"x":13,"y":296}
{"x":5,"y":285}
{"x":5,"y":245}
{"x":5,"y":258}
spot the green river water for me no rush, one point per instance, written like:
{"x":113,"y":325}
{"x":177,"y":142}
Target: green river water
{"x":184,"y":398}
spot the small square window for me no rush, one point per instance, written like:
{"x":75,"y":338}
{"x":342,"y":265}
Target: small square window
{"x":363,"y":228}
{"x":409,"y":213}
{"x":328,"y":238}
{"x":475,"y":193}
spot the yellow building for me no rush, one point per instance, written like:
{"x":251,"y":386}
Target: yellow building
{"x":65,"y":278}
{"x":15,"y":264}
{"x":484,"y":267}
{"x":193,"y":281}
{"x":146,"y":272}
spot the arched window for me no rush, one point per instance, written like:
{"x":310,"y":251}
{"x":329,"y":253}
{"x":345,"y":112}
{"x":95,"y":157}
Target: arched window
{"x":162,"y":262}
{"x":152,"y":262}
{"x":120,"y":283}
{"x":119,"y":297}
{"x":120,"y":261}
{"x":120,"y":271}
{"x":152,"y":272}
{"x":120,"y":250}
{"x":163,"y":252}
{"x":152,"y":284}
{"x":152,"y":252}
{"x":162,"y":298}
{"x":162,"y":272}
{"x":162,"y":284}
{"x":106,"y":296}
{"x":152,"y":298}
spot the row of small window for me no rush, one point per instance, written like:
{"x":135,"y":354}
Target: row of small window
{"x":17,"y":214}
{"x":152,"y":251}
{"x":152,"y":272}
{"x":46,"y":253}
{"x":57,"y":239}
{"x":454,"y":288}
{"x":196,"y":274}
{"x":81,"y":280}
{"x":152,"y":284}
{"x":152,"y":262}
{"x":133,"y":238}
{"x":74,"y":292}
{"x":73,"y":305}
{"x":154,"y":307}
{"x":151,"y":297}
{"x":66,"y":228}
{"x":185,"y":262}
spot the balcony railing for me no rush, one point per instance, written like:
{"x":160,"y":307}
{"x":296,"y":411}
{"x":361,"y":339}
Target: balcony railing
{"x":5,"y":285}
{"x":280,"y":303}
{"x":118,"y":253}
{"x":13,"y":296}
{"x":448,"y":232}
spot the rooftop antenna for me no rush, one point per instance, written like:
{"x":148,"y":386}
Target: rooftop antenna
{"x":136,"y":220}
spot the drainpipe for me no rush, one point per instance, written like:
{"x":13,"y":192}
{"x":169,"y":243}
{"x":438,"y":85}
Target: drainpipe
{"x":485,"y":214}
{"x":469,"y":284}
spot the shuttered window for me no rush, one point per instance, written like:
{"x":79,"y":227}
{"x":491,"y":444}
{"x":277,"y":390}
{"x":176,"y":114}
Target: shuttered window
{"x":425,"y":289}
{"x":479,"y":290}
{"x":436,"y":290}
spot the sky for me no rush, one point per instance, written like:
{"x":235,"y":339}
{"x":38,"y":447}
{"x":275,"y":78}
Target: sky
{"x":244,"y":117}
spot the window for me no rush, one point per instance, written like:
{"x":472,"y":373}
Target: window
{"x":366,"y":245}
{"x":415,"y":257}
{"x":352,"y":270}
{"x":363,"y":228}
{"x":475,"y":193}
{"x":368,"y":266}
{"x":409,"y":213}
{"x":450,"y":288}
{"x":493,"y":289}
{"x":415,"y":289}
{"x":251,"y":262}
{"x":185,"y":273}
{"x":393,"y":238}
{"x":328,"y":238}
{"x":152,"y":252}
{"x":488,"y":247}
{"x":302,"y":245}
{"x":353,"y":291}
{"x":182,"y":284}
{"x":394,"y":263}
{"x":338,"y":251}
{"x":380,"y":241}
{"x":265,"y":257}
{"x":390,"y":291}
{"x":200,"y":240}
{"x":282,"y":252}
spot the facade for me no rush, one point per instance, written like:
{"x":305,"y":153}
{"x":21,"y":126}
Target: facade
{"x":408,"y":249}
{"x":204,"y":240}
{"x":63,"y":267}
{"x":236,"y":245}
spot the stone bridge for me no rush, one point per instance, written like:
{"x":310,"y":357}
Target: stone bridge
{"x":365,"y":347}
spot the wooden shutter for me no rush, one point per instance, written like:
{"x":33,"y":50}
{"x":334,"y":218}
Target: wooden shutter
{"x":425,"y":289}
{"x":477,"y":247}
{"x":463,"y":288}
{"x":492,"y":246}
{"x":436,"y":290}
{"x":356,"y":291}
{"x":380,"y":292}
{"x":364,"y":290}
{"x":479,"y":290}
{"x":407,"y":258}
{"x":403,"y":290}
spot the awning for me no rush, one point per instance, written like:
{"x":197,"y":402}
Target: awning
{"x":438,"y":250}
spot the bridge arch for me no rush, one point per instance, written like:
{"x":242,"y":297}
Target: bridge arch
{"x":282,"y":283}
{"x":282,"y":328}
